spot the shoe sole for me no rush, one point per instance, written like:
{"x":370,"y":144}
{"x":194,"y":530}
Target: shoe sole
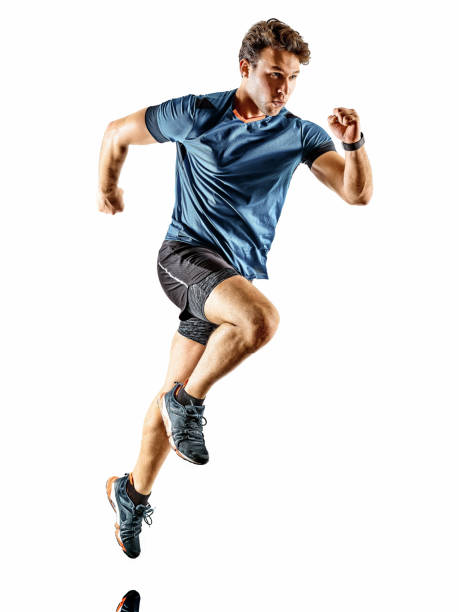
{"x":168,"y":426}
{"x":109,"y":486}
{"x":120,"y":605}
{"x":133,"y":601}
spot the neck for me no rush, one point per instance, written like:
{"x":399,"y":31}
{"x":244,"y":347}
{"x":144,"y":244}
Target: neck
{"x":245,"y":106}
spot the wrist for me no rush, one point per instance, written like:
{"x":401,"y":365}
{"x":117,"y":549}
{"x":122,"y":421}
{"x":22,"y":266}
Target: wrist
{"x":353,"y":146}
{"x":107,"y":190}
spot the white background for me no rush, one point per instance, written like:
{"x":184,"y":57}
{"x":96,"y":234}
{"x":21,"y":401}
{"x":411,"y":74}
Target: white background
{"x":332,"y":484}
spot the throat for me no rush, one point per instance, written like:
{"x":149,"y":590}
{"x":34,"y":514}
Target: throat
{"x":242,"y":103}
{"x":247,"y":119}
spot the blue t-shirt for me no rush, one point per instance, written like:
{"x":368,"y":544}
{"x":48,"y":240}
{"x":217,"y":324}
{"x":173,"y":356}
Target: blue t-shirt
{"x":232,"y":176}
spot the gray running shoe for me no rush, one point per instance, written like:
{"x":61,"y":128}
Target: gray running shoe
{"x":129,"y":603}
{"x":184,"y":427}
{"x":128,"y":516}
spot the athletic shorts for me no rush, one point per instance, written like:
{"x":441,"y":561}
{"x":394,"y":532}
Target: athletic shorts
{"x":188,"y":274}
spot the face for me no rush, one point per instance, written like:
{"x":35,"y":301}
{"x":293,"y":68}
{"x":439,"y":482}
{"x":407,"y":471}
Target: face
{"x":272,"y":82}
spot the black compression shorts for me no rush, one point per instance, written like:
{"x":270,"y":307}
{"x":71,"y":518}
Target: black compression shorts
{"x":188,"y":274}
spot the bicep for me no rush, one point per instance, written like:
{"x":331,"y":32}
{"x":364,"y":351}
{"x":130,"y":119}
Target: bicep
{"x":132,"y":129}
{"x":329,"y":169}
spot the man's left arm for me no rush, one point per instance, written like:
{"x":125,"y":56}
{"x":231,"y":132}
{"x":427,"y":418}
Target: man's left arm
{"x":351,"y":177}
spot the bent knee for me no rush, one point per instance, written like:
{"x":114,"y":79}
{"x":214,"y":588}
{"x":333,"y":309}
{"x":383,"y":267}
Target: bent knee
{"x":261,"y":325}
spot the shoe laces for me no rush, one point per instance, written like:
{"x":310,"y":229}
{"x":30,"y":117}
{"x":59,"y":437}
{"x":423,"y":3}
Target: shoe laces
{"x":145,"y":513}
{"x":193,"y":422}
{"x":141,"y":512}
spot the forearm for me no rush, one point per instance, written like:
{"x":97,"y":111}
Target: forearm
{"x":112,"y":156}
{"x":357,"y":179}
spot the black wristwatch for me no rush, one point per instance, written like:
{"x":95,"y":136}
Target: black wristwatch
{"x":353,"y":146}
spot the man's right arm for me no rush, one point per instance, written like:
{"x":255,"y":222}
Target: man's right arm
{"x":117,"y":138}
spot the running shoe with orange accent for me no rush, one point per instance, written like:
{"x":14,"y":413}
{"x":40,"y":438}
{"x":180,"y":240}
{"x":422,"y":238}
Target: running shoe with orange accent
{"x":129,"y":517}
{"x":184,"y":427}
{"x":129,"y":603}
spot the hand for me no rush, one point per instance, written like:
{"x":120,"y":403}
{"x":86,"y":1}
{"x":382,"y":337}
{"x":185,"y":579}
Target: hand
{"x":345,"y":124}
{"x":111,"y":202}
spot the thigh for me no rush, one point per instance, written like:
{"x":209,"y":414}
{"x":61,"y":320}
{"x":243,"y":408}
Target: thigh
{"x":196,"y":329}
{"x":199,"y":292}
{"x":237,"y":301}
{"x":181,"y":266}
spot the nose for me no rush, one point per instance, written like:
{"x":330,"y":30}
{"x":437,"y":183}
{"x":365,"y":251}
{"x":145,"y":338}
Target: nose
{"x":283,"y":88}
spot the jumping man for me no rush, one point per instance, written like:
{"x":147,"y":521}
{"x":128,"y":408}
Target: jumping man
{"x":236,"y":153}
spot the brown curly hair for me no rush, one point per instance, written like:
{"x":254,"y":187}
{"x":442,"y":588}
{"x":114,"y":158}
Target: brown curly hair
{"x":276,"y":34}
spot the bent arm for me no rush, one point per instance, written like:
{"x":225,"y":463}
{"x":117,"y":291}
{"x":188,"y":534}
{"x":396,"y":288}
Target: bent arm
{"x":350,"y":178}
{"x":117,"y":138}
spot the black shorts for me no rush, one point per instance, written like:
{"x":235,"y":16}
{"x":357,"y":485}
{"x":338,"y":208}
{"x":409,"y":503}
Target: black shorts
{"x":188,"y":274}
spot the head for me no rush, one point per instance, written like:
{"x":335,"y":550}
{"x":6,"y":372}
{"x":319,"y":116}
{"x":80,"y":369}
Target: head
{"x":269,"y":61}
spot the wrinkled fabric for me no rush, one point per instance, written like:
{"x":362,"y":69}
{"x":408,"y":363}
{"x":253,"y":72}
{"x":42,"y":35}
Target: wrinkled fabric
{"x":232,"y":176}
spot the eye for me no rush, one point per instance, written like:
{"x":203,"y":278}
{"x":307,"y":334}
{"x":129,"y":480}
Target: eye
{"x":276,"y":74}
{"x":294,"y":76}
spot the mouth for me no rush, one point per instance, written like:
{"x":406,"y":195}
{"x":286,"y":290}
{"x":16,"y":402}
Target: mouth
{"x":277,"y":103}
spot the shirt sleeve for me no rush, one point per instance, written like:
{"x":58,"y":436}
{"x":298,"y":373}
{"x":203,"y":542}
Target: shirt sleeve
{"x":315,"y":142}
{"x":171,"y":120}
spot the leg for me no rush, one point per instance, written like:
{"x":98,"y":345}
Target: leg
{"x":246,"y":321}
{"x":184,"y":355}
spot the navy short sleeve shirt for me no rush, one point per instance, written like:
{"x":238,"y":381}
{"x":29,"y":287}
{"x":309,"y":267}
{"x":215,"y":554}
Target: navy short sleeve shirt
{"x":232,"y":176}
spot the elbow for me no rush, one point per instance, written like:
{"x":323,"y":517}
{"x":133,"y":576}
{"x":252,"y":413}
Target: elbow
{"x":361,"y":200}
{"x":113,"y":134}
{"x":112,"y":130}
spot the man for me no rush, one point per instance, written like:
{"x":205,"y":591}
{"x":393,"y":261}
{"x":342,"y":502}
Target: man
{"x":236,"y":153}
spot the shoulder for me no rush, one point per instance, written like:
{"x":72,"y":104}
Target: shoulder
{"x":290,"y":119}
{"x":213,"y":102}
{"x":308,"y":129}
{"x":209,"y":109}
{"x":314,"y":134}
{"x":303,"y":128}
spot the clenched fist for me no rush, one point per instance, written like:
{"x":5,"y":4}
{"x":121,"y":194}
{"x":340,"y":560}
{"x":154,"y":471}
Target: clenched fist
{"x":345,"y":124}
{"x":111,"y":202}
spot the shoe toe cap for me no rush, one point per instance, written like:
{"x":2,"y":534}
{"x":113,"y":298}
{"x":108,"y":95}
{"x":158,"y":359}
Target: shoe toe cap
{"x":196,"y":455}
{"x":131,"y":547}
{"x":132,"y":554}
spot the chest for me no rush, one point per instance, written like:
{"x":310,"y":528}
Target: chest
{"x":240,"y":148}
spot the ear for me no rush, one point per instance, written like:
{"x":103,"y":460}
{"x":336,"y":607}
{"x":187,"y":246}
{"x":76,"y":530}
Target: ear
{"x":244,"y":68}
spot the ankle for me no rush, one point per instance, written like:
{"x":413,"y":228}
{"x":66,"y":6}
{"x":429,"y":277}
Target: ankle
{"x":185,"y":398}
{"x":137,"y":497}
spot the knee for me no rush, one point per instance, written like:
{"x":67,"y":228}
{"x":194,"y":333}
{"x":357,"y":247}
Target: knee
{"x":261,"y":325}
